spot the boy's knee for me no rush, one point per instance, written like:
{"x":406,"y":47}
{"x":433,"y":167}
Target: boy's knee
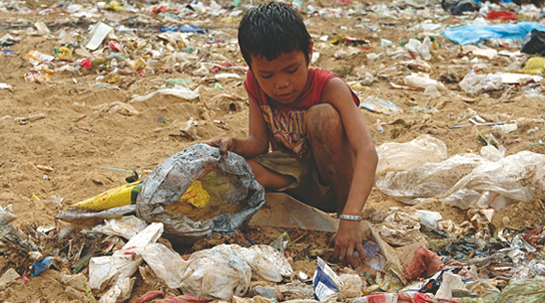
{"x":322,"y":119}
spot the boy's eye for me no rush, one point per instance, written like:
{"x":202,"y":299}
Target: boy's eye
{"x":266,"y":76}
{"x":293,"y":70}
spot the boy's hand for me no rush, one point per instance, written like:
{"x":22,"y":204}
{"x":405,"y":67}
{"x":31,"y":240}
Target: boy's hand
{"x":348,"y":241}
{"x":225,"y":144}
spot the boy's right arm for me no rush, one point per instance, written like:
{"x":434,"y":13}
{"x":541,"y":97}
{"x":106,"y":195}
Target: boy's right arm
{"x":256,"y":143}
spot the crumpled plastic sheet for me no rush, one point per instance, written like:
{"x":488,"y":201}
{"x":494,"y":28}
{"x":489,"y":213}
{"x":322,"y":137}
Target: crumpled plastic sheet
{"x":181,"y":92}
{"x":415,"y":185}
{"x":471,"y":34}
{"x":470,"y":181}
{"x":170,"y":180}
{"x":126,"y":227}
{"x":401,"y":227}
{"x":405,"y":156}
{"x":226,"y":270}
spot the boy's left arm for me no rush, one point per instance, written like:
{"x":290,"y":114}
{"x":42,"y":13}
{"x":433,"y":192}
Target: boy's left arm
{"x":348,"y":238}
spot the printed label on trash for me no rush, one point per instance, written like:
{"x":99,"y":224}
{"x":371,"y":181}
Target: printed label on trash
{"x":321,"y":291}
{"x":325,"y":282}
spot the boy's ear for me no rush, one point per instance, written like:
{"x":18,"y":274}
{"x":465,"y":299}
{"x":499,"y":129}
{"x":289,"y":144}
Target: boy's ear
{"x":310,"y":48}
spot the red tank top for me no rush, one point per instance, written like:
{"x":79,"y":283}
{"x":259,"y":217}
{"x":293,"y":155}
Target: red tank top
{"x":286,"y":122}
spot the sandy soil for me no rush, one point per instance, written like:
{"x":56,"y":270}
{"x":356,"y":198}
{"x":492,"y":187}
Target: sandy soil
{"x":77,"y":150}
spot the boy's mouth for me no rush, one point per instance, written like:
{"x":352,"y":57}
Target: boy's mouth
{"x":285,"y":96}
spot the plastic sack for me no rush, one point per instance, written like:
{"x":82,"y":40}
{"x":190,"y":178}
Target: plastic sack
{"x":178,"y":91}
{"x":491,"y":153}
{"x":474,"y":83}
{"x":472,"y":34}
{"x":216,"y":273}
{"x":460,"y":6}
{"x":7,"y":215}
{"x":405,"y":156}
{"x":534,"y":43}
{"x":423,"y":81}
{"x":425,"y":263}
{"x":225,"y":197}
{"x":535,"y":65}
{"x":423,"y":49}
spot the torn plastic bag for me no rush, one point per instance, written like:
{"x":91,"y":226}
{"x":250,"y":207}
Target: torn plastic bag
{"x":224,"y":193}
{"x":474,"y":83}
{"x":470,"y":181}
{"x":425,"y":263}
{"x":124,"y":262}
{"x":225,"y":271}
{"x":266,"y":262}
{"x":178,"y":91}
{"x":519,"y":177}
{"x":460,"y":6}
{"x":126,"y":227}
{"x":165,"y":263}
{"x":534,"y":43}
{"x":429,"y":180}
{"x":216,"y":273}
{"x":405,"y":156}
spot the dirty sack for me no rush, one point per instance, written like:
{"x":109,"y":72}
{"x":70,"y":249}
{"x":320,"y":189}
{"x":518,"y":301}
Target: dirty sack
{"x":193,"y":193}
{"x":198,"y":191}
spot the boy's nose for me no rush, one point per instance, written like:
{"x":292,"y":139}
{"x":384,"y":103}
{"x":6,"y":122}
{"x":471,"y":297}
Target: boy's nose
{"x":282,"y":83}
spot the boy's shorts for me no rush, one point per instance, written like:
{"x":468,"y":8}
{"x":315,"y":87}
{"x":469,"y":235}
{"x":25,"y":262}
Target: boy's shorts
{"x":306,"y":187}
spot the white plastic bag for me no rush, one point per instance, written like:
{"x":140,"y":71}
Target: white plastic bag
{"x":429,"y":218}
{"x":226,"y":270}
{"x":216,"y":273}
{"x":423,"y":81}
{"x":405,"y":156}
{"x":420,"y":48}
{"x":474,"y":83}
{"x":470,"y":181}
{"x":181,"y":92}
{"x":165,"y":263}
{"x":124,"y":262}
{"x":266,"y":262}
{"x":429,"y":180}
{"x":126,"y":227}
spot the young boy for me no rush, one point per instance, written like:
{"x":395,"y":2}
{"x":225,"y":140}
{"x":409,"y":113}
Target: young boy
{"x":322,"y":152}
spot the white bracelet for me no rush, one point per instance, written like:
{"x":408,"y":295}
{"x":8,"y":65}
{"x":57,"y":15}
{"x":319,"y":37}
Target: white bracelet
{"x":350,"y":218}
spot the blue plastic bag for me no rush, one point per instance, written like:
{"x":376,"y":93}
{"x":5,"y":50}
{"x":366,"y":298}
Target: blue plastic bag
{"x":471,"y":34}
{"x":184,"y":28}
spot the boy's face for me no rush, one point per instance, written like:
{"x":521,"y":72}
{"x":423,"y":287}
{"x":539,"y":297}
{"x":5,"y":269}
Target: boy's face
{"x":283,"y":78}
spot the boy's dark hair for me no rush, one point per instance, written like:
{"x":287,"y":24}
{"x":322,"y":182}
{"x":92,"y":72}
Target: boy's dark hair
{"x":270,"y":30}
